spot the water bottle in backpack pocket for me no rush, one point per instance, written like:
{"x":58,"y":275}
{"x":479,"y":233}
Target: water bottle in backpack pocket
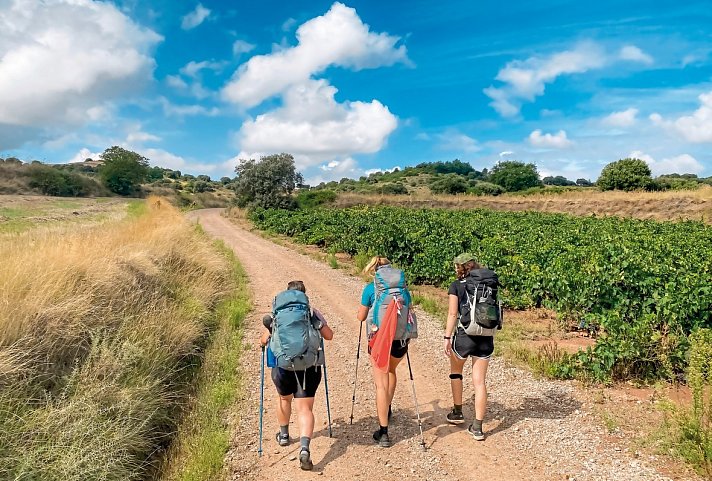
{"x":295,"y":341}
{"x":271,"y":359}
{"x":483,"y":316}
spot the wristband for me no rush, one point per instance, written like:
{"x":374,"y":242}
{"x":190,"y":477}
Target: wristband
{"x":447,"y":337}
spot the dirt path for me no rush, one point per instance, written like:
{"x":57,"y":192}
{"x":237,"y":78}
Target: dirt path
{"x":537,"y":430}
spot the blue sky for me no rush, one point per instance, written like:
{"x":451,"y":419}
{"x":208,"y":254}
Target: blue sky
{"x":348,"y":88}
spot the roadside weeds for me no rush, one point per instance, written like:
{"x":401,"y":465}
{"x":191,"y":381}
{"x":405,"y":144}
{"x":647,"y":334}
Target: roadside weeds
{"x":203,"y":437}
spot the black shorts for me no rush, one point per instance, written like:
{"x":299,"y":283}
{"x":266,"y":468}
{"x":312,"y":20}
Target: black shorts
{"x":398,"y":348}
{"x":301,"y":384}
{"x":465,"y":346}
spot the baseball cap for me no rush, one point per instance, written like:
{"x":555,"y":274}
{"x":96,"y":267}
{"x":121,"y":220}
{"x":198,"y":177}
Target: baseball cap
{"x":463,"y":258}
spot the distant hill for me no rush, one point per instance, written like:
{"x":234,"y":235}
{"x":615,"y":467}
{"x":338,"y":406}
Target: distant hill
{"x":81,"y":179}
{"x":457,"y":177}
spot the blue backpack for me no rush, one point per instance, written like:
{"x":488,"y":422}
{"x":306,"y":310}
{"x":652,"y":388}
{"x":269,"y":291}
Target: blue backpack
{"x":389,"y":284}
{"x":295,"y":341}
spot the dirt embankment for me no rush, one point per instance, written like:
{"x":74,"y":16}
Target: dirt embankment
{"x":677,"y":205}
{"x":537,"y":429}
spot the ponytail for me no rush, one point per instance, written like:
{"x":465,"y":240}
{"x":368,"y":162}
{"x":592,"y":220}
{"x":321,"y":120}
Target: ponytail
{"x":374,"y":264}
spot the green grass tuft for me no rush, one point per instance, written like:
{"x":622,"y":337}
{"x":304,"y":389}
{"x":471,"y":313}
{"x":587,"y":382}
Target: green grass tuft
{"x":136,"y":208}
{"x":203,"y":438}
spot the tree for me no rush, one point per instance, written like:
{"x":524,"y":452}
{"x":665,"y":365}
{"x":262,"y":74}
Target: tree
{"x":559,"y":180}
{"x":123,"y":171}
{"x":268,"y":183}
{"x":584,"y":182}
{"x":514,"y":176}
{"x":625,"y":174}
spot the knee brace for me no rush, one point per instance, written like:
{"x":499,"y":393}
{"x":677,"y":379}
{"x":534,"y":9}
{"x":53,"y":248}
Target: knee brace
{"x":456,"y":376}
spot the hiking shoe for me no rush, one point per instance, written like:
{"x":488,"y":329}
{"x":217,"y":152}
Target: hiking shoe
{"x":382,"y":439}
{"x":476,"y":433}
{"x":305,"y":461}
{"x":455,"y":417}
{"x":282,"y":440}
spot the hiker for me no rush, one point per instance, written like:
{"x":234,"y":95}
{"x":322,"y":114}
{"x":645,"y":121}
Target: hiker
{"x":385,"y":304}
{"x":473,"y":317}
{"x":296,"y":378}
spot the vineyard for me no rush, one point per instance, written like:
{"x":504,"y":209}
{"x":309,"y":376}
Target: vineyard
{"x":643,"y":286}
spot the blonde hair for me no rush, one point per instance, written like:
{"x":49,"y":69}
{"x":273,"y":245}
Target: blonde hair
{"x":374,"y":264}
{"x":463,"y":269}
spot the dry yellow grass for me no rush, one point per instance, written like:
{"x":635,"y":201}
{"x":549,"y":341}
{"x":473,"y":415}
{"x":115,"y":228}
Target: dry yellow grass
{"x":670,"y":205}
{"x":99,"y":330}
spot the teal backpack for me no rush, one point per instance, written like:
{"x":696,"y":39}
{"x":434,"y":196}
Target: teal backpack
{"x":295,"y":341}
{"x":389,"y":283}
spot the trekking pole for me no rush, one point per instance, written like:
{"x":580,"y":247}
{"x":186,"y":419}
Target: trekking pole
{"x":326,"y":388}
{"x":415,"y":400}
{"x":262,"y":398}
{"x":358,"y":355}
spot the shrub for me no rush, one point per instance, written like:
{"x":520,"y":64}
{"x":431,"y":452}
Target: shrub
{"x":394,"y":188}
{"x":625,"y":174}
{"x":693,"y":427}
{"x":307,"y":199}
{"x":202,"y":186}
{"x":449,"y":184}
{"x":486,"y":188}
{"x":675,"y":183}
{"x":514,"y":176}
{"x":51,"y":181}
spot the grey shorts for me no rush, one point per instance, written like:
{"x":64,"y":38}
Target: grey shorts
{"x":465,"y":346}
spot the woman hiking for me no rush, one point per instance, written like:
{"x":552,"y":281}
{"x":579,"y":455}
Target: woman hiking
{"x":385,"y":304}
{"x":299,"y":385}
{"x":466,"y":337}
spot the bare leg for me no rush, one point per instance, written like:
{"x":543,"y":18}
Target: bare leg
{"x":456,"y":365}
{"x":304,"y":407}
{"x":284,"y":409}
{"x":479,"y":373}
{"x":380,"y":379}
{"x":392,"y":378}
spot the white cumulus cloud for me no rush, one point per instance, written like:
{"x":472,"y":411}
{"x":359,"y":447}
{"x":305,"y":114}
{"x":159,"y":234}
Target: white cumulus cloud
{"x":173,"y":110}
{"x":453,"y":140}
{"x":524,"y":80}
{"x":84,"y":154}
{"x":310,"y":122}
{"x":61,"y":59}
{"x":338,"y":37}
{"x":195,"y":18}
{"x":558,"y":140}
{"x":240,"y":46}
{"x":695,"y":128}
{"x":635,"y":54}
{"x":680,"y":164}
{"x":625,"y":118}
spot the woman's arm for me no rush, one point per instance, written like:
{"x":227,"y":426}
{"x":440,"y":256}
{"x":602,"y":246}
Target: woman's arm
{"x":326,"y":332}
{"x":451,"y":323}
{"x":362,"y":313}
{"x":324,"y":329}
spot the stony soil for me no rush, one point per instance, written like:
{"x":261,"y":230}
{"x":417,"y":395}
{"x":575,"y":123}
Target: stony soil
{"x":536,"y":429}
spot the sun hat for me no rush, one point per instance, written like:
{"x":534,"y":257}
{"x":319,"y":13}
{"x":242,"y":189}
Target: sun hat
{"x":464,"y":258}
